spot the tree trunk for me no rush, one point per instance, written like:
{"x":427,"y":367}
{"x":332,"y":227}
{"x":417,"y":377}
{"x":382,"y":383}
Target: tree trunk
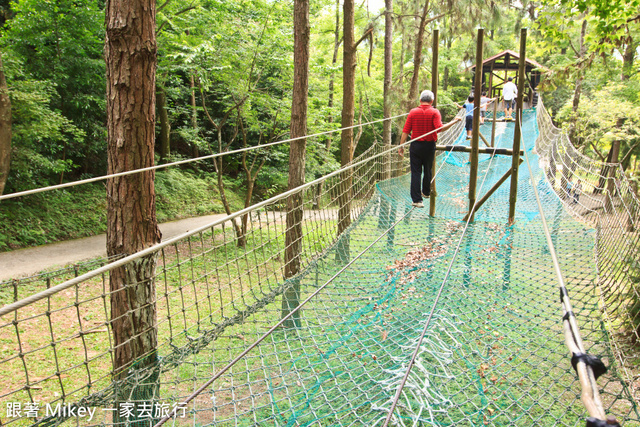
{"x":627,"y":59}
{"x":348,"y":106}
{"x":218,"y":164}
{"x":578,"y":87}
{"x":403,"y":36}
{"x":334,"y":60}
{"x":5,"y":130}
{"x":417,"y":56}
{"x":388,"y":71}
{"x":297,"y":149}
{"x":165,"y":126}
{"x":604,"y":172}
{"x":194,"y":116}
{"x":131,"y":55}
{"x":612,"y":177}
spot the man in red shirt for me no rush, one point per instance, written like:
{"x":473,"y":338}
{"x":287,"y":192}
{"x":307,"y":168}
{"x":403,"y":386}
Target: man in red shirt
{"x":423,"y":123}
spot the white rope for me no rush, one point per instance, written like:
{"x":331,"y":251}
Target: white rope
{"x":181,"y":162}
{"x":434,"y":306}
{"x":152,"y":249}
{"x":575,"y":341}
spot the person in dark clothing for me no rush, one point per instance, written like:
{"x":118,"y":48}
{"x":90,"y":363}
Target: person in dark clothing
{"x":468,"y":115}
{"x":423,"y":124}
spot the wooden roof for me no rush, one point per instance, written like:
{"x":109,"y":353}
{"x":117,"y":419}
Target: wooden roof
{"x":508,"y":60}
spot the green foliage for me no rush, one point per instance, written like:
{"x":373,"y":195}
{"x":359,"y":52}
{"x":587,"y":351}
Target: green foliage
{"x":47,"y":217}
{"x":38,"y":132}
{"x":183,"y":194}
{"x":605,"y":116}
{"x":52,"y":52}
{"x":81,"y":211}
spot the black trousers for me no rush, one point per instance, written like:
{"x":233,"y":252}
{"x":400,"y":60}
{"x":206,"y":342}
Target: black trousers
{"x":421,"y":158}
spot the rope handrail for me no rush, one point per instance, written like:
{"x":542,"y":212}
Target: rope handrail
{"x":590,"y":394}
{"x":283,"y":320}
{"x":181,"y":162}
{"x":186,"y":161}
{"x":152,"y":249}
{"x":492,"y":337}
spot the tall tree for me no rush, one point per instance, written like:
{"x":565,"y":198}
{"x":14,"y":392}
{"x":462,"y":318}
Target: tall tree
{"x":60,"y":44}
{"x":350,"y":47}
{"x":348,"y":111}
{"x":5,"y":129}
{"x":417,"y":53}
{"x":130,"y":53}
{"x":295,"y":212}
{"x":334,"y":60}
{"x":165,"y":125}
{"x":388,"y":76}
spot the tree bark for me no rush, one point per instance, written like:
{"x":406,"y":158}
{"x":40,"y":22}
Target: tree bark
{"x":165,"y":126}
{"x":388,"y":71}
{"x":297,"y":149}
{"x":334,"y":60}
{"x":417,"y":56}
{"x":348,"y":87}
{"x":131,"y":55}
{"x":628,"y":58}
{"x":348,"y":107}
{"x":5,"y":129}
{"x":194,"y":116}
{"x":578,"y":87}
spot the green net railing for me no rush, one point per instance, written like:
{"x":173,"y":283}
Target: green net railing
{"x":493,"y":354}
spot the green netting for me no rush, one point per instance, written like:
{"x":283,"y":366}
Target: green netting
{"x":493,"y":354}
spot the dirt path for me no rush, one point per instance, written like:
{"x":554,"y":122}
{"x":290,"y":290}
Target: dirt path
{"x":29,"y":261}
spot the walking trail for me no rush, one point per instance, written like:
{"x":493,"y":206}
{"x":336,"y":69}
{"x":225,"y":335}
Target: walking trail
{"x":30,"y":261}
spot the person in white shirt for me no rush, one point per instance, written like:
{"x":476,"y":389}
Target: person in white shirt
{"x":509,"y":93}
{"x":484,"y":102}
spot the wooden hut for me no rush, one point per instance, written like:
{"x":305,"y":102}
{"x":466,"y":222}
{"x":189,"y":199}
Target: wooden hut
{"x":497,"y":69}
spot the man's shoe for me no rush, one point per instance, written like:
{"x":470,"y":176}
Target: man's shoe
{"x":417,"y":204}
{"x":426,"y":196}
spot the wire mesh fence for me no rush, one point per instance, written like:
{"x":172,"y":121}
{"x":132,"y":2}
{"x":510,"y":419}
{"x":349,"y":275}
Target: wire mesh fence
{"x":494,"y":354}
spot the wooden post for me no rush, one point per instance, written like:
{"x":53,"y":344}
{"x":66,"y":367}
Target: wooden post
{"x":484,"y":139}
{"x":491,"y":80}
{"x":513,"y":193}
{"x":493,"y":189}
{"x":434,"y":89}
{"x":493,"y":126}
{"x":477,"y":92}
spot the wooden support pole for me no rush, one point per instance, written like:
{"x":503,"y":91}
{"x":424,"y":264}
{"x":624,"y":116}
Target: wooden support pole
{"x":483,"y":139}
{"x":434,"y":89}
{"x":517,"y":133}
{"x":491,"y":80}
{"x":493,"y":126}
{"x":477,"y":93}
{"x":493,"y":189}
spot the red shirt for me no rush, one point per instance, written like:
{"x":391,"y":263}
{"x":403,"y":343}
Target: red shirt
{"x":421,"y":120}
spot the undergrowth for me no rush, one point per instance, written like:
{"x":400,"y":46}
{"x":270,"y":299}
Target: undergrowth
{"x":81,"y":211}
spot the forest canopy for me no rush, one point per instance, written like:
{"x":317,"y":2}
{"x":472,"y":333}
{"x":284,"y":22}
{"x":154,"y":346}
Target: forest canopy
{"x":224,"y":78}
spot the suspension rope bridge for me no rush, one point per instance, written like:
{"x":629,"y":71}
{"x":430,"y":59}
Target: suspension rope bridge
{"x":460,"y":320}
